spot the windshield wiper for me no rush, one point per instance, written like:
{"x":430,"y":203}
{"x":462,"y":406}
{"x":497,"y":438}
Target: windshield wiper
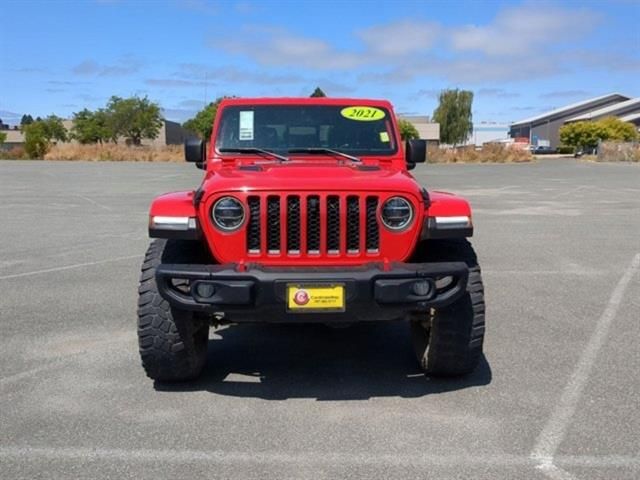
{"x":269,"y":153}
{"x":320,"y":150}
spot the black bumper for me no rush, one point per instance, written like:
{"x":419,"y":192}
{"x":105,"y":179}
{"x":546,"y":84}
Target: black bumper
{"x":258,"y":294}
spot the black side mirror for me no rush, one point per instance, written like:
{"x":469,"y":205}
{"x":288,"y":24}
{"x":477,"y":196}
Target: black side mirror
{"x":415,"y":152}
{"x":194,"y":151}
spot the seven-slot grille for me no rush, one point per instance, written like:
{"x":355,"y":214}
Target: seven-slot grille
{"x":313,"y":224}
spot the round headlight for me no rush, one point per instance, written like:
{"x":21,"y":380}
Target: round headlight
{"x":396,"y":213}
{"x":228,"y":214}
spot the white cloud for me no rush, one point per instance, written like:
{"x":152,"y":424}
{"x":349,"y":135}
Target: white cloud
{"x":524,"y":29}
{"x":200,"y":6}
{"x":279,"y":47}
{"x":126,"y":65}
{"x":173,"y":82}
{"x":399,"y":38}
{"x":563,"y":94}
{"x":232,"y":74}
{"x":497,"y":93}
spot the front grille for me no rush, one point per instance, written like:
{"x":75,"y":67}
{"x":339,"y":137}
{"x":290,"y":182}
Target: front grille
{"x":315,"y":225}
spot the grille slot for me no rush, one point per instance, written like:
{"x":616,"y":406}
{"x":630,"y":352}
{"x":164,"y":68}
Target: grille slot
{"x":293,"y":224}
{"x":253,"y":229}
{"x":273,"y":224}
{"x":353,"y":224}
{"x":313,"y":224}
{"x":333,"y":224}
{"x":373,"y":232}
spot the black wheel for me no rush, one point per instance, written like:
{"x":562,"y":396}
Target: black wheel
{"x":448,"y":342}
{"x":173,"y":343}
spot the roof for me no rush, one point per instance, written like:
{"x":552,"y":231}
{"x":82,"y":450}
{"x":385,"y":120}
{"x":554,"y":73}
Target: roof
{"x":631,"y":117}
{"x":416,"y":118}
{"x":610,"y":110}
{"x":306,"y":101}
{"x":568,"y":108}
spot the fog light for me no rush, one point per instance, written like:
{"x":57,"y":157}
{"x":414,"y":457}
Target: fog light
{"x":422,"y":288}
{"x":205,"y":290}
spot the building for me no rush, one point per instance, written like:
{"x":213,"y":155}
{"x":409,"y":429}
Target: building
{"x":629,"y":108}
{"x":488,"y":132}
{"x":15,"y":138}
{"x":544,"y":129}
{"x":633,"y":118}
{"x":428,"y":130}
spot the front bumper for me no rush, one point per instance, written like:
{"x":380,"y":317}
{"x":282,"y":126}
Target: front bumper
{"x":254,"y":293}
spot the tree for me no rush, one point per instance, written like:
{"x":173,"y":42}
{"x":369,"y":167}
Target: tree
{"x":92,"y":127}
{"x":39,"y":135}
{"x":318,"y":93}
{"x":134,"y":118}
{"x":202,"y":123}
{"x":3,"y":137}
{"x":26,"y":120}
{"x":588,"y":134}
{"x":454,"y":116}
{"x":407,"y":129}
{"x":580,"y":134}
{"x":617,"y":130}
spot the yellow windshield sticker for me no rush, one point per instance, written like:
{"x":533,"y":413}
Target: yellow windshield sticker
{"x":362,"y":114}
{"x":384,"y":137}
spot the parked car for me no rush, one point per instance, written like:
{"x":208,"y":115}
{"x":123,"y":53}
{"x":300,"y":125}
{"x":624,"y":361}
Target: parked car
{"x":541,"y":150}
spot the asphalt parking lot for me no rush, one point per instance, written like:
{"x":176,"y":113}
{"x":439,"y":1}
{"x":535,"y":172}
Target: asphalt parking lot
{"x":558,"y":395}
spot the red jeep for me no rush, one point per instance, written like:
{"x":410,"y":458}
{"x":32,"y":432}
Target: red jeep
{"x":307,"y":212}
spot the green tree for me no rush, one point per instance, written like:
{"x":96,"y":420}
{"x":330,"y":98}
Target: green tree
{"x":318,"y":93}
{"x":39,"y":135}
{"x":454,"y":116}
{"x":408,"y":130}
{"x":588,"y":134}
{"x":92,"y":127}
{"x":26,"y":120}
{"x":615,"y":129}
{"x":3,"y":137}
{"x":134,"y":118}
{"x":202,"y":123}
{"x":581,"y":134}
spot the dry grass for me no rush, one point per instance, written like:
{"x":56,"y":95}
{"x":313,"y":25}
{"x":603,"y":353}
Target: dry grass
{"x":116,"y":153}
{"x":490,"y":153}
{"x":619,"y":152}
{"x":14,"y":153}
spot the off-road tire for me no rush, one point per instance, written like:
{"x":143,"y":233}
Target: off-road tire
{"x":448,"y":342}
{"x":172,"y":342}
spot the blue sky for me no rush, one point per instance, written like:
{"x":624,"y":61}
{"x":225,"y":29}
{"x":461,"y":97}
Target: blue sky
{"x":519,"y":58}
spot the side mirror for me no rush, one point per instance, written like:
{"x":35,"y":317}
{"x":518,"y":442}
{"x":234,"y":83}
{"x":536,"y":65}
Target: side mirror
{"x":194,"y":151}
{"x":415,"y":152}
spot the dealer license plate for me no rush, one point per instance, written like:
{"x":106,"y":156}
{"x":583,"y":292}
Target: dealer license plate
{"x":315,"y":298}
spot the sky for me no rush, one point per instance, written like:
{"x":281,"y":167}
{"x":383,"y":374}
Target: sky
{"x":519,"y":58}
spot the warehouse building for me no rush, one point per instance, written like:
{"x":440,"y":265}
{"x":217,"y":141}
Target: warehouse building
{"x":428,"y":130}
{"x":628,"y":110}
{"x":544,"y":129}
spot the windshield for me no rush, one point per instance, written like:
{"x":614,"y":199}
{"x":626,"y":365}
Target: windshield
{"x":351,"y":129}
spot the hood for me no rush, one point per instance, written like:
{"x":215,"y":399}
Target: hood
{"x":310,"y":176}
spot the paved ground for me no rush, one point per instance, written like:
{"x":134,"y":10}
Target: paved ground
{"x":557,"y":397}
